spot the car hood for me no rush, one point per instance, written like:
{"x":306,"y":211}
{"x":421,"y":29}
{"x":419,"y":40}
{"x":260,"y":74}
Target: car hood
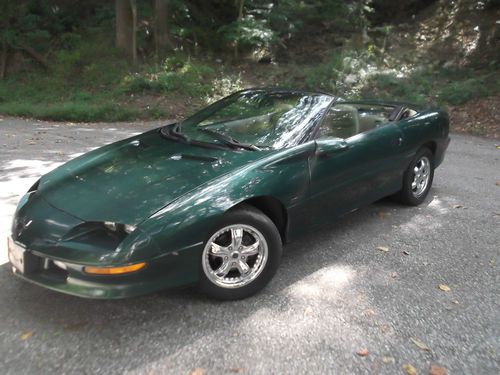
{"x":129,"y":180}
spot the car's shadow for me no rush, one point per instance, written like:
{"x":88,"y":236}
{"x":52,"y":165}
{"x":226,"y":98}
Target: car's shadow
{"x":170,"y":320}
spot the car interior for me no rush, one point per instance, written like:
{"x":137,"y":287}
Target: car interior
{"x":345,"y":120}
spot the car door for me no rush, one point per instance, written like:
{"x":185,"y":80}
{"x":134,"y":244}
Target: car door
{"x":358,"y":160}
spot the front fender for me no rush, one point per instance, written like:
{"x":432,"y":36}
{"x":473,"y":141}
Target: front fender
{"x":186,"y":223}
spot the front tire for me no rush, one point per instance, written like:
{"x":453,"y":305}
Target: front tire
{"x":241,"y":255}
{"x":417,"y":179}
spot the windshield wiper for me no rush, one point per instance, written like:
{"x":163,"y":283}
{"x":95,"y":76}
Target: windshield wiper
{"x":173,"y":131}
{"x":229,"y":141}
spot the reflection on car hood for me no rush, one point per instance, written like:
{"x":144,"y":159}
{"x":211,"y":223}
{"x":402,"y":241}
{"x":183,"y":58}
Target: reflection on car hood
{"x":129,"y":180}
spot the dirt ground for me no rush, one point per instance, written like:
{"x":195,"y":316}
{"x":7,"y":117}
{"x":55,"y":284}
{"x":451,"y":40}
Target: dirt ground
{"x":477,"y":117}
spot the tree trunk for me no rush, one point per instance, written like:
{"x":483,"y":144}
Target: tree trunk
{"x":162,"y":40}
{"x":240,"y":10}
{"x":35,"y":56}
{"x":3,"y":63}
{"x":240,"y":4}
{"x":125,"y":27}
{"x":133,"y":6}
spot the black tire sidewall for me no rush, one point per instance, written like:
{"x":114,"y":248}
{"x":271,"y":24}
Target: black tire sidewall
{"x":255,"y":218}
{"x":406,"y":195}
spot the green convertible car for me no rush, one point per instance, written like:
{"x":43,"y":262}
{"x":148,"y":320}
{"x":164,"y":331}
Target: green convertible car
{"x":212,"y":199}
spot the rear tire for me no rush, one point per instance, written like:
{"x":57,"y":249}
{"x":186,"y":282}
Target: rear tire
{"x":417,"y":179}
{"x":241,"y":255}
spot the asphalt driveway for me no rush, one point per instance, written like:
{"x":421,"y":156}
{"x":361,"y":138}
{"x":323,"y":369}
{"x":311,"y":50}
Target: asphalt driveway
{"x":334,"y":296}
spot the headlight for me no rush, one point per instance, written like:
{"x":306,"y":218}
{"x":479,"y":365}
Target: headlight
{"x":116,"y":227}
{"x":34,"y":187}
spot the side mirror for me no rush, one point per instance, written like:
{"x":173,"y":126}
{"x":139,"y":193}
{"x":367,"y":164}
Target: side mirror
{"x":330,"y":146}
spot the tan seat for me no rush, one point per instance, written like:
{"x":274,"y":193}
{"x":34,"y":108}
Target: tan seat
{"x":342,"y":121}
{"x":368,"y":122}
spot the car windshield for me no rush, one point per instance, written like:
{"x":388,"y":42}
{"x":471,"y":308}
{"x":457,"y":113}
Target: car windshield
{"x":258,"y":118}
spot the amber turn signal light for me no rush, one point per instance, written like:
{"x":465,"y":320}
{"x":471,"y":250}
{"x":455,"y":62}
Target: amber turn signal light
{"x":114,"y":270}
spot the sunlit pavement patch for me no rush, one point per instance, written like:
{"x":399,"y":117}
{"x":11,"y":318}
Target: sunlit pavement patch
{"x":33,"y":149}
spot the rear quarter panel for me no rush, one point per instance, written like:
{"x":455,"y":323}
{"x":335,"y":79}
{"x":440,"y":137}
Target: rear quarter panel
{"x":428,"y":127}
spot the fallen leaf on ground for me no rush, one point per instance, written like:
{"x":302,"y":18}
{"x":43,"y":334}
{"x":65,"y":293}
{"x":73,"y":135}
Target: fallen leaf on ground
{"x":237,"y":370}
{"x":444,"y":287}
{"x":74,"y":326}
{"x":388,"y":360}
{"x":369,"y":312}
{"x":383,"y":214}
{"x":420,"y":345}
{"x":198,"y":371}
{"x":383,"y":248}
{"x":406,"y":252}
{"x":25,"y":335}
{"x":409,"y":369}
{"x":454,"y":302}
{"x":308,"y":310}
{"x":498,"y":183}
{"x":362,"y":352}
{"x":393,"y":275}
{"x":457,"y":206}
{"x":437,"y":370}
{"x":384,"y":328}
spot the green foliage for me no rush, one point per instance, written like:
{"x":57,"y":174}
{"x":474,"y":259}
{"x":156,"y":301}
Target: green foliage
{"x":430,"y":86}
{"x":415,"y":88}
{"x":287,"y":17}
{"x":339,"y":74}
{"x":249,"y":33}
{"x":324,"y":76}
{"x":87,"y":79}
{"x":460,"y":92}
{"x":183,"y":76}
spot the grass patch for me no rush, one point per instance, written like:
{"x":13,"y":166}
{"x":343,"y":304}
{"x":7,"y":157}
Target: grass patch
{"x":175,"y":75}
{"x":91,"y":82}
{"x":70,"y":111}
{"x":443,"y":87}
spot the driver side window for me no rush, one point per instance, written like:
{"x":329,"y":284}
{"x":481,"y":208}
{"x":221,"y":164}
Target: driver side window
{"x":341,"y":121}
{"x":344,"y":120}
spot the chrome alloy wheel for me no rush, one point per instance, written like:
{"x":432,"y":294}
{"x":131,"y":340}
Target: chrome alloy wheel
{"x":235,"y":256}
{"x":421,"y":176}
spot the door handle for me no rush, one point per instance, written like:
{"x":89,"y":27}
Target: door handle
{"x":328,"y":152}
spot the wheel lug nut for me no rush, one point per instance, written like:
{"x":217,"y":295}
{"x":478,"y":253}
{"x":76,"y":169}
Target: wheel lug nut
{"x":225,"y":258}
{"x":242,"y":257}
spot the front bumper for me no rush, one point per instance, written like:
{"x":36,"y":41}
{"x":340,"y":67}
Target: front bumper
{"x":46,"y":236}
{"x":168,"y":271}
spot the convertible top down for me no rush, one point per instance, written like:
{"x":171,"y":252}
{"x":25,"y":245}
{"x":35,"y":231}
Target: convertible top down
{"x":212,"y":199}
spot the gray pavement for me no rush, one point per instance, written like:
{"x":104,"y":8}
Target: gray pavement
{"x":334,"y":294}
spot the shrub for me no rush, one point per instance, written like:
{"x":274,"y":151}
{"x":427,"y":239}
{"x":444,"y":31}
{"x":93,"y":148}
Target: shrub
{"x":185,"y":77}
